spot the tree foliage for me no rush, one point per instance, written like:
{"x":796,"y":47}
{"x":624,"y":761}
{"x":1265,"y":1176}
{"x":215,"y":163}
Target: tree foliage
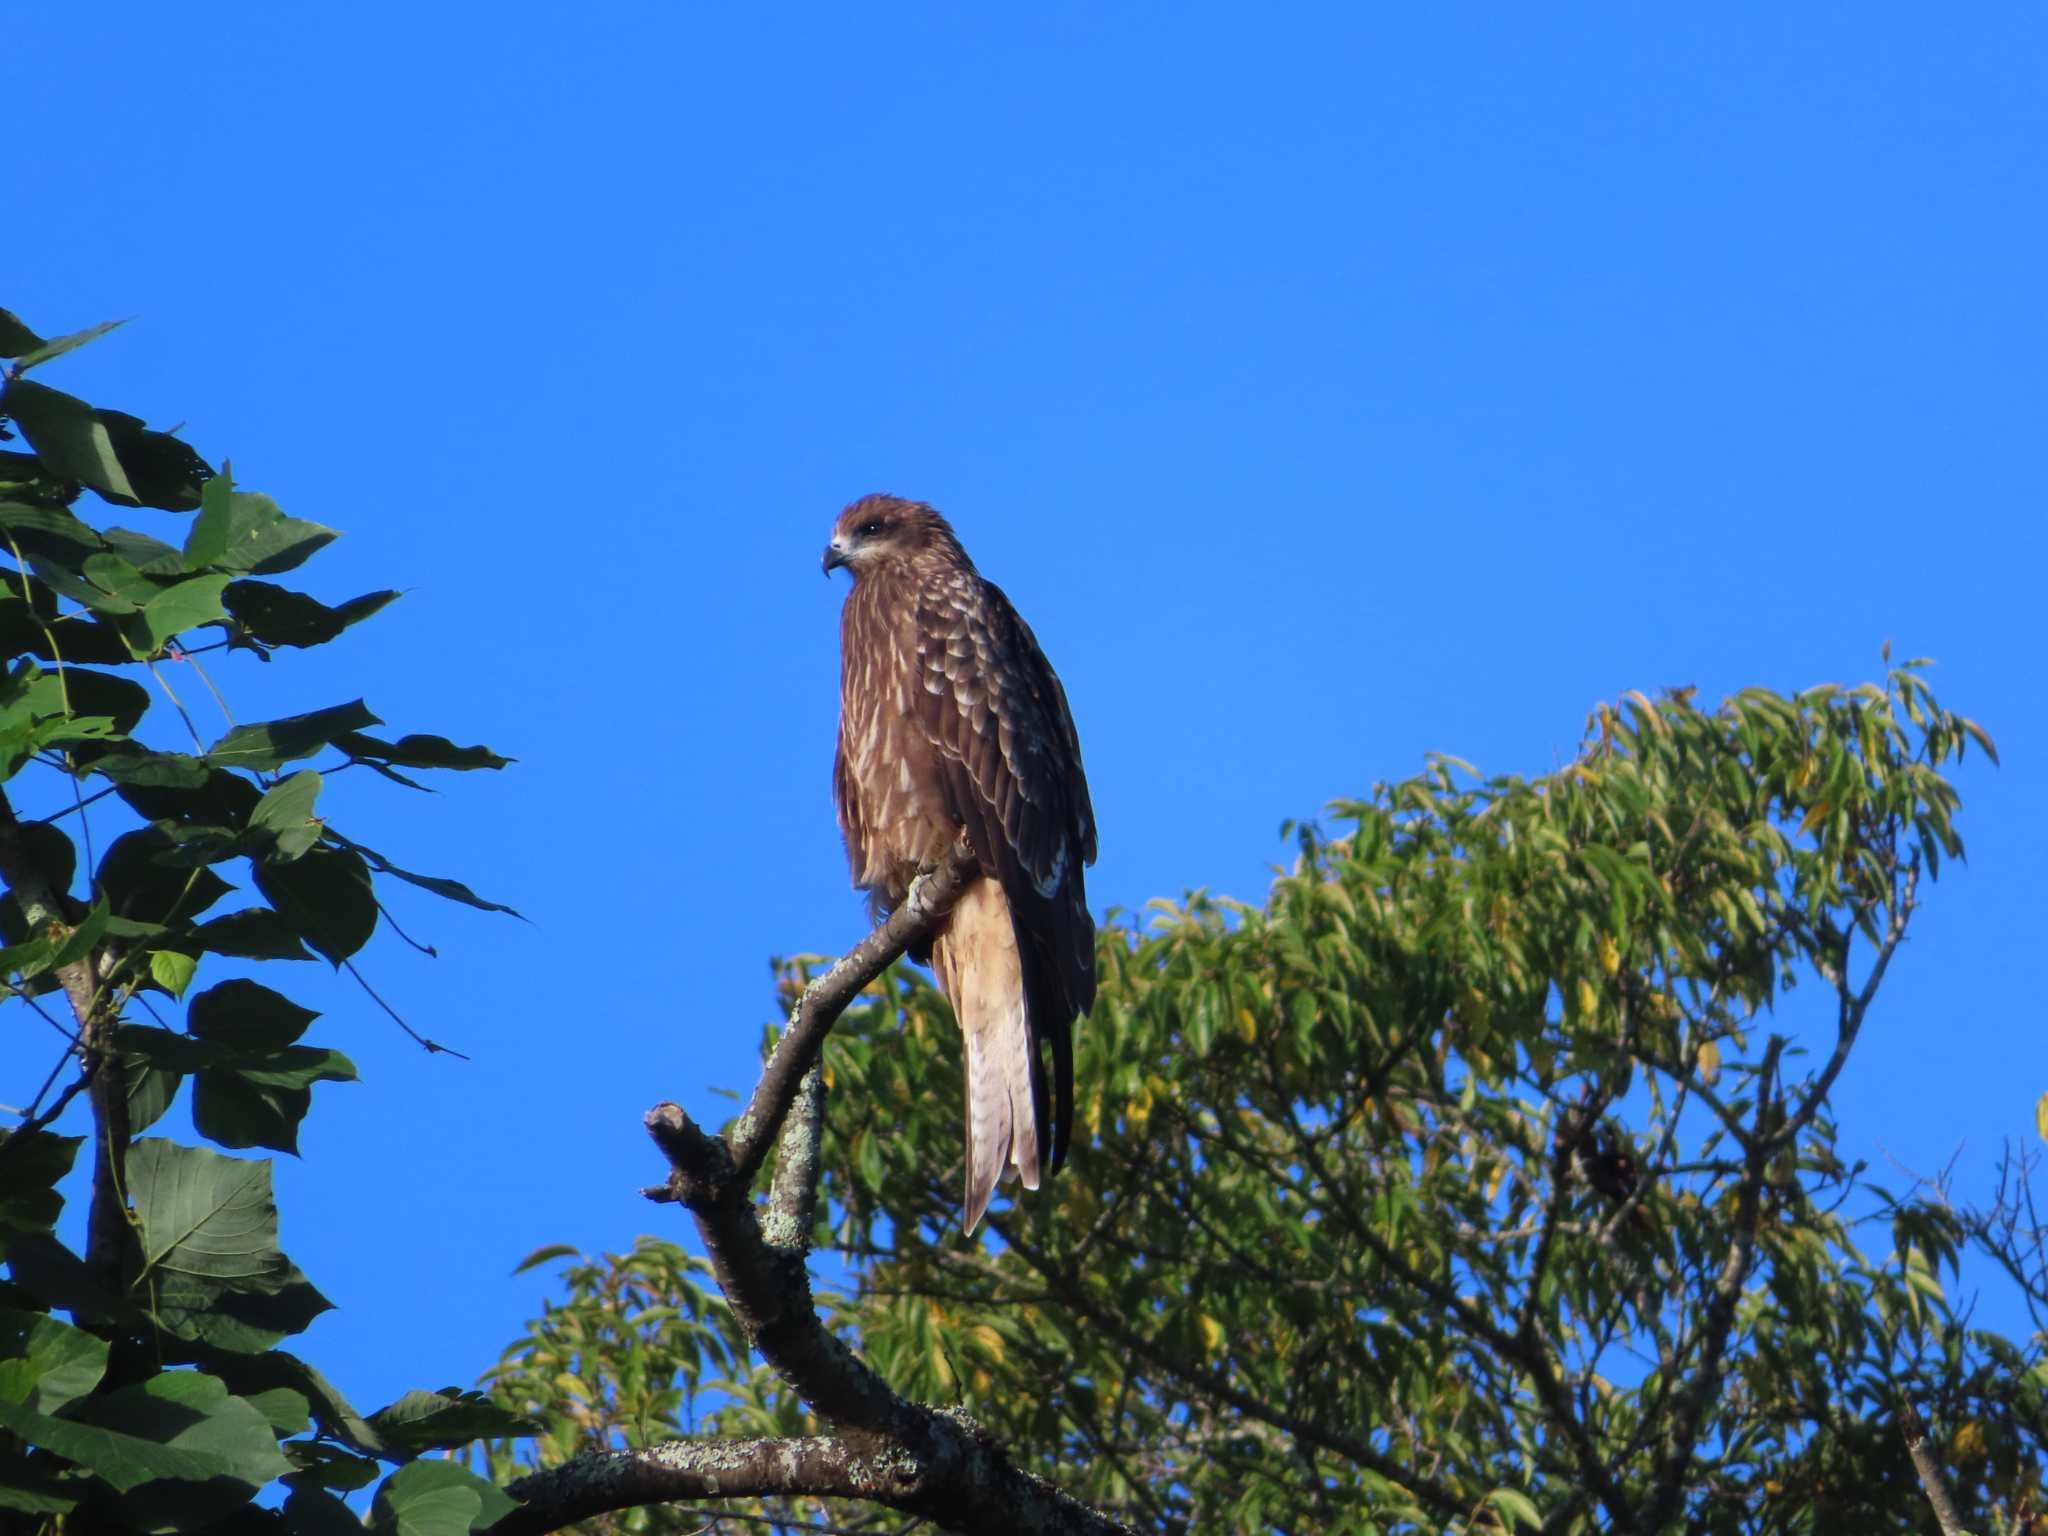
{"x":1482,"y":1178}
{"x":166,"y":1402}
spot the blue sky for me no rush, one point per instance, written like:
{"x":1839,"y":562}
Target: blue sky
{"x":1326,"y":389}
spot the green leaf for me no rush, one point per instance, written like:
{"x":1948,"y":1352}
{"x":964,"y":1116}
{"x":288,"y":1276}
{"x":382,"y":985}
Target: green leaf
{"x":444,"y":1420}
{"x":261,"y":540}
{"x":79,"y":943}
{"x":192,"y":602}
{"x":210,"y":1258}
{"x":547,"y":1255}
{"x":34,"y":1161}
{"x":286,"y":813}
{"x":206,"y":1219}
{"x":436,"y":1498}
{"x":417,"y":751}
{"x":172,"y":970}
{"x":37,"y":1487}
{"x":259,"y":1103}
{"x":451,"y":890}
{"x":248,"y":1016}
{"x":316,"y":1512}
{"x":261,"y":1372}
{"x":226,"y":1443}
{"x":285,"y":1408}
{"x":152,"y":1089}
{"x":16,"y":339}
{"x":254,"y":933}
{"x":278,"y":616}
{"x":54,"y":1276}
{"x":274,"y":743}
{"x":45,"y":1363}
{"x":101,"y":693}
{"x":326,"y":895}
{"x":58,"y":346}
{"x":1516,"y":1505}
{"x":211,"y":530}
{"x":137,"y":878}
{"x":68,"y":435}
{"x":151,"y":556}
{"x":128,"y":763}
{"x":178,"y":1444}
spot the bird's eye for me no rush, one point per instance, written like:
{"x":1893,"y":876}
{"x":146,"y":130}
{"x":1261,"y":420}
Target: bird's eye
{"x":869,"y":528}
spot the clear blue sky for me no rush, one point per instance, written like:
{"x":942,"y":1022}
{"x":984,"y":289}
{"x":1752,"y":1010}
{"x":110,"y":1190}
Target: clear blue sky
{"x":1326,"y":384}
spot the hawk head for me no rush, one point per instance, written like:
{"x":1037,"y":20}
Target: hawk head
{"x":880,"y":530}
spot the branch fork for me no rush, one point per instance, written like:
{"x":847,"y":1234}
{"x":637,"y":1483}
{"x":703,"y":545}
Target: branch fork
{"x":937,"y":1464}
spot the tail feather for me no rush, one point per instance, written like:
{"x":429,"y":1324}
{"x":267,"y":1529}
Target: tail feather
{"x":979,"y":967}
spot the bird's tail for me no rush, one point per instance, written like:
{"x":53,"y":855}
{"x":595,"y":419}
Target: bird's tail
{"x":978,"y":966}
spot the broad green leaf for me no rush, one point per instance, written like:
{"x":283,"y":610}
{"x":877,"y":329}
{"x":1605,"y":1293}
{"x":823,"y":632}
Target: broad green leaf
{"x":326,"y":895}
{"x":274,"y":743}
{"x":250,"y":1374}
{"x":211,"y":1265}
{"x":206,"y":1220}
{"x":192,"y":602}
{"x":44,"y":1363}
{"x":260,"y":539}
{"x":247,"y":1016}
{"x":208,"y":539}
{"x":417,"y":751}
{"x":286,"y":1409}
{"x":436,"y":1498}
{"x":277,"y":616}
{"x":68,"y":435}
{"x":423,"y":1421}
{"x":172,"y":970}
{"x":59,"y":345}
{"x":259,"y":1102}
{"x":316,"y":1512}
{"x":195,"y":1416}
{"x":286,"y":812}
{"x":16,"y":339}
{"x":254,"y":933}
{"x":140,"y":880}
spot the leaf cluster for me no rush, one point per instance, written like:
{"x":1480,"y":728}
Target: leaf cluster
{"x":166,"y":1403}
{"x":1473,"y":1180}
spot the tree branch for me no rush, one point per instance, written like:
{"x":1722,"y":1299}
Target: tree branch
{"x":44,"y":908}
{"x":937,"y":1464}
{"x":1932,"y":1483}
{"x":827,"y":997}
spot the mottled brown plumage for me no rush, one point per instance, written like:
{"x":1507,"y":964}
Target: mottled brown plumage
{"x":951,"y":721}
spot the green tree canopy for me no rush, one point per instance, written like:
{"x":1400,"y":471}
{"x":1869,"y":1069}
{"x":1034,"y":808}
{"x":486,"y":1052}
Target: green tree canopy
{"x":1468,"y":1182}
{"x":166,"y":1402}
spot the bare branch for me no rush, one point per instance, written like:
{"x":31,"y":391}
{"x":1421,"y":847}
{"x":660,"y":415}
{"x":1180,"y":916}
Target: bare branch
{"x":828,"y":996}
{"x":680,"y":1470}
{"x":936,"y":1464}
{"x":1932,"y":1483}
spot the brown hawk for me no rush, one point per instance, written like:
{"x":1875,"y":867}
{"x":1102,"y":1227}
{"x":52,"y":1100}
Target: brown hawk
{"x":951,"y":721}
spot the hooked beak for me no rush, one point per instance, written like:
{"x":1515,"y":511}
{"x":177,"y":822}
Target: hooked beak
{"x":835,"y":556}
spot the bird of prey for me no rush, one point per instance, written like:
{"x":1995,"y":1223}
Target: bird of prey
{"x":950,"y":722}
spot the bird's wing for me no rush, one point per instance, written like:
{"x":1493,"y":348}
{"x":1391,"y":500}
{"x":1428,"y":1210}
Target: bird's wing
{"x":1011,"y":761}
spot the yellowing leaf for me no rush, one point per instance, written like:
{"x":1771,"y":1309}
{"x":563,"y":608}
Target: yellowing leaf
{"x":988,"y":1339}
{"x":1610,"y":954}
{"x":1212,"y":1333}
{"x":2041,"y":1116}
{"x":1589,"y":1000}
{"x":1247,"y":1025}
{"x":1708,"y":1060}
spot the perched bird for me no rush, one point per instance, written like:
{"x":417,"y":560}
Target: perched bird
{"x":951,"y":721}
